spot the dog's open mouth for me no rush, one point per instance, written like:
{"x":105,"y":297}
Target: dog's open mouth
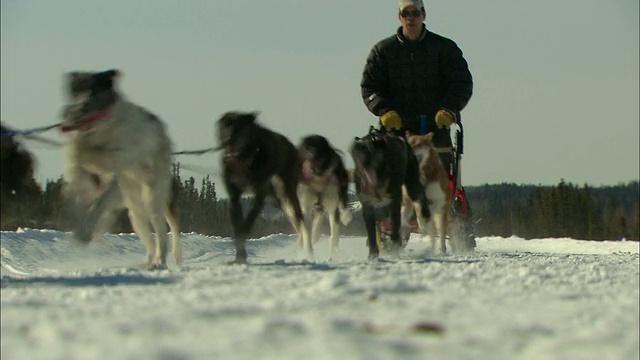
{"x":308,"y":169}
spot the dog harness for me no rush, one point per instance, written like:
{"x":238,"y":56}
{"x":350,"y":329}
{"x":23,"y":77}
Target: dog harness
{"x":87,"y":121}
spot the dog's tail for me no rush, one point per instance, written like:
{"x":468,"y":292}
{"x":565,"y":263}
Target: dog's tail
{"x":174,"y":224}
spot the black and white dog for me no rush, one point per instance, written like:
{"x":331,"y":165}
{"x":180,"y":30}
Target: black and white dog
{"x":259,"y":161}
{"x":325,"y":187}
{"x":384,"y":165}
{"x":118,"y":154}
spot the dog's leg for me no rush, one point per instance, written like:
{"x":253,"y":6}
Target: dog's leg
{"x":79,"y":193}
{"x":406,"y":213}
{"x":396,"y":222}
{"x":298,"y":218}
{"x":423,"y":224}
{"x":256,"y":208}
{"x":132,"y":196}
{"x":423,"y":210}
{"x":369,"y":216}
{"x":436,"y":193}
{"x":444,"y":224}
{"x":156,"y":205}
{"x":436,"y":232}
{"x":331,"y":203}
{"x":286,"y":190}
{"x":317,"y":214}
{"x":86,"y":229}
{"x":141,"y":226}
{"x":345,"y":213}
{"x":174,"y":225}
{"x":415,"y":189}
{"x":238,"y":224}
{"x":293,"y":211}
{"x":443,"y":232}
{"x":306,"y":203}
{"x":335,"y":231}
{"x":106,"y":221}
{"x":108,"y":218}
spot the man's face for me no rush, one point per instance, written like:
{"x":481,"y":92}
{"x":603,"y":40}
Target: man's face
{"x":411,"y":18}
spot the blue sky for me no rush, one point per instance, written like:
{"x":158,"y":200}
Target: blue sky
{"x":556,"y":82}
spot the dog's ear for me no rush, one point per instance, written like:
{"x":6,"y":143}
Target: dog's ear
{"x":97,"y":82}
{"x":109,"y":74}
{"x":69,"y":77}
{"x":428,"y":137}
{"x":67,"y":80}
{"x":254,"y":115}
{"x":324,"y":142}
{"x":75,"y":82}
{"x":105,"y":80}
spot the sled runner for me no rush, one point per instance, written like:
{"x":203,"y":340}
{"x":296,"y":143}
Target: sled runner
{"x":461,"y":225}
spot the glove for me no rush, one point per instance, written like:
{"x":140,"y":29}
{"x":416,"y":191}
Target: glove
{"x":444,"y":118}
{"x":391,"y":120}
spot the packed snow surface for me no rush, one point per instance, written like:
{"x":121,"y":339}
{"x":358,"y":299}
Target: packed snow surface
{"x":509,"y":299}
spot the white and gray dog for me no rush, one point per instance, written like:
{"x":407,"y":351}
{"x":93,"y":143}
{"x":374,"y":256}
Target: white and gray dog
{"x":117,"y":154}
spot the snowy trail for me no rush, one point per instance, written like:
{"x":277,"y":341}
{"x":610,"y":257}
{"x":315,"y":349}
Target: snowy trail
{"x":510,"y":299}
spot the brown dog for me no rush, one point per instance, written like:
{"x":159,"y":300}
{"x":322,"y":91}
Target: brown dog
{"x":437,"y":189}
{"x":256,"y":159}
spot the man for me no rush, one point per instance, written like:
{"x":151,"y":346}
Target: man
{"x":419,"y":81}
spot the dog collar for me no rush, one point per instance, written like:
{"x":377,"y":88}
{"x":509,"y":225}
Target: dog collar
{"x":85,"y":122}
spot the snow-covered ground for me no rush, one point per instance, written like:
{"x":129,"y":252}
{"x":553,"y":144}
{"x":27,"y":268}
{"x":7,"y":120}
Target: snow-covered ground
{"x":510,"y":299}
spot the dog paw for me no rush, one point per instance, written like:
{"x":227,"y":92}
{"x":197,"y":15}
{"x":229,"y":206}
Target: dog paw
{"x":177,"y":257}
{"x":332,"y":252}
{"x":395,"y":249}
{"x":238,"y":261}
{"x":154,"y":267}
{"x":82,"y":235}
{"x":346,"y":217}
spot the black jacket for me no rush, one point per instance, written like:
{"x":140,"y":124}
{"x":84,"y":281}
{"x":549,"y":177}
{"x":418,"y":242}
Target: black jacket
{"x":416,"y":78}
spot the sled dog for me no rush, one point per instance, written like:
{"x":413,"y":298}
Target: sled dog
{"x":384,"y":164}
{"x":17,"y":169}
{"x":324,"y":187}
{"x":259,"y":161}
{"x":118,"y":154}
{"x":435,"y":181}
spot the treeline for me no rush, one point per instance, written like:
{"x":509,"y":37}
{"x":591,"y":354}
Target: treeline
{"x":198,"y":206}
{"x":564,"y":210}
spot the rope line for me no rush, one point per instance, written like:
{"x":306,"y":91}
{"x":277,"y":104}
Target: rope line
{"x":194,"y":152}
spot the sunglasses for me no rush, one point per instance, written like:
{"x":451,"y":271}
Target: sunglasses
{"x":414,"y":13}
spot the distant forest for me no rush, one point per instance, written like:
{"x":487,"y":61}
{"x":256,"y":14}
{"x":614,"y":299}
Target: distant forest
{"x":529,"y":211}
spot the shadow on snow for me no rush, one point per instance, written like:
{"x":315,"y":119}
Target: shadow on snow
{"x":97,"y":280}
